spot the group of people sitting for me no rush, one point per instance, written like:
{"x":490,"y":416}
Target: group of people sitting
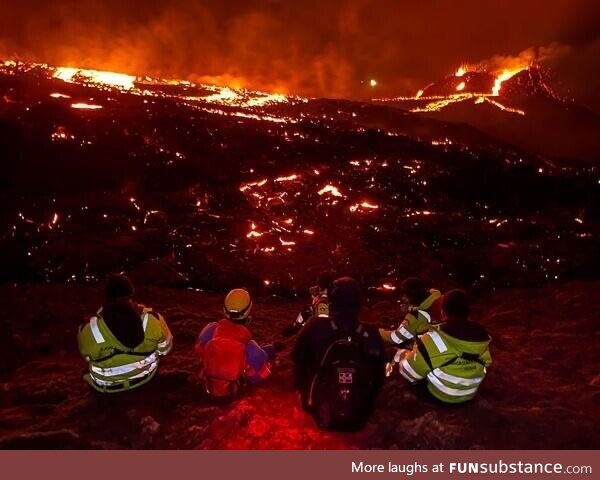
{"x":340,"y":363}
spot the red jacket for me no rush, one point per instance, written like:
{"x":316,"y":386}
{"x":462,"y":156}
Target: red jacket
{"x":228,"y":352}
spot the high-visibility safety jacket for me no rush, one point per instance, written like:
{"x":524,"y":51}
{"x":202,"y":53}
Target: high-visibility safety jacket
{"x":112,"y":366}
{"x":418,"y":320}
{"x":453,"y":368}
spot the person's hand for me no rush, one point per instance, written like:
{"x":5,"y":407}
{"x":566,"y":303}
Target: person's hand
{"x":385,"y":335}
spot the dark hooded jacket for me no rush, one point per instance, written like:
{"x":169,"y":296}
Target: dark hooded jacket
{"x":319,"y":333}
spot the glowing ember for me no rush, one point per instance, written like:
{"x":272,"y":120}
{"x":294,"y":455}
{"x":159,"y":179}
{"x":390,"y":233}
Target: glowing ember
{"x":363,"y":206}
{"x":85,"y":106}
{"x":388,"y":286}
{"x":330,"y":189}
{"x":60,"y":134}
{"x":59,"y":95}
{"x":286,"y":243}
{"x":419,"y":94}
{"x":373,"y":82}
{"x":253,"y":233}
{"x":247,"y":186}
{"x":289,"y":178}
{"x":460,"y":86}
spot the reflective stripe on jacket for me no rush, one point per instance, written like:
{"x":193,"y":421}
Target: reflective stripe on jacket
{"x":454,"y":368}
{"x":419,"y":319}
{"x":112,"y":367}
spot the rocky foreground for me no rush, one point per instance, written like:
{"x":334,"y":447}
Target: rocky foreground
{"x":543,"y":390}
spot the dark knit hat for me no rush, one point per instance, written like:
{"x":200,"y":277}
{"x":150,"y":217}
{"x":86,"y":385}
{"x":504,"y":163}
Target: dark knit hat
{"x":415,"y":289}
{"x":325,"y":279}
{"x":456,"y":304}
{"x":344,"y":294}
{"x":118,"y":287}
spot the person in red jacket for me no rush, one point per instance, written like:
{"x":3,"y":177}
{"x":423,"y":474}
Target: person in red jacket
{"x":228,"y":354}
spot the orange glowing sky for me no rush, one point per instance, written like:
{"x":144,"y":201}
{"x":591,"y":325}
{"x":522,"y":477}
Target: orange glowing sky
{"x":336,"y":48}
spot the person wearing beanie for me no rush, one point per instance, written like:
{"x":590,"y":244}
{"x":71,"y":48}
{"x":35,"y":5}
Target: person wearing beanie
{"x":454,"y":359}
{"x":124,"y":341}
{"x":342,"y":344}
{"x":424,"y":311}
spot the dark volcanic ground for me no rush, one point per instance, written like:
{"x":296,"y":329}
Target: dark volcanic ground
{"x":542,"y":391}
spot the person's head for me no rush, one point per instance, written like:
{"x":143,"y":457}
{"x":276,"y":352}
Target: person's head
{"x":118,"y":288}
{"x":344,"y":297}
{"x":237,"y":305}
{"x":455,"y":306}
{"x":325,"y":279}
{"x":415,"y":290}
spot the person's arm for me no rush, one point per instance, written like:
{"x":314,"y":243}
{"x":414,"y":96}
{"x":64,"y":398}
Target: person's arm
{"x":257,"y":363}
{"x":405,"y":332}
{"x":378,"y":355}
{"x":156,"y":329}
{"x":205,"y":335}
{"x":89,"y":347}
{"x":415,"y":366}
{"x":300,"y":354}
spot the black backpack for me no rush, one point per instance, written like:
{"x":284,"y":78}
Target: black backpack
{"x":341,"y":391}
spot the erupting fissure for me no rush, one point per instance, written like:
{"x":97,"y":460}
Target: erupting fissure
{"x":461,"y":91}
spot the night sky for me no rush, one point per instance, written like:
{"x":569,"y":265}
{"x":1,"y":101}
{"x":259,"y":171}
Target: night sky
{"x":317,"y":48}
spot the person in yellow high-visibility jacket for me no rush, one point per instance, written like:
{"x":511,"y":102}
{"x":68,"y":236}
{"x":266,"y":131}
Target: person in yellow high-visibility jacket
{"x":452,"y":360}
{"x":424,"y":311}
{"x":124,"y":341}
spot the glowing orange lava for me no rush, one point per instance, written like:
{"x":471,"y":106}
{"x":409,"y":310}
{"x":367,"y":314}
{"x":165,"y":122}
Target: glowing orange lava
{"x":460,"y":71}
{"x":502,"y":77}
{"x":85,"y":106}
{"x":110,"y":79}
{"x":330,"y":189}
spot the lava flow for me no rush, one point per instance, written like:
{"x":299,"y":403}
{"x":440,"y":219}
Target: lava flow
{"x":194,"y":176}
{"x":237,"y":103}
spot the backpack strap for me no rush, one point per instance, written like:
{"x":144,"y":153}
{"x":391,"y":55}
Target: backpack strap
{"x":423,"y":351}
